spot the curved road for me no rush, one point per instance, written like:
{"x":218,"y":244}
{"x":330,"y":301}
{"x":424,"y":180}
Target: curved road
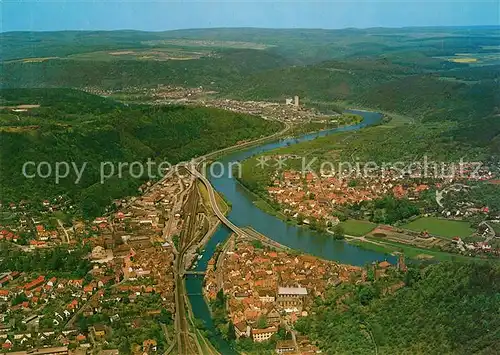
{"x":213,"y":202}
{"x":246,"y":144}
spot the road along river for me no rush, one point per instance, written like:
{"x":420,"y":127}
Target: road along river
{"x":245,"y":213}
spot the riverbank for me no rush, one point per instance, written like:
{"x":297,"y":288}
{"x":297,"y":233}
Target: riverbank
{"x":256,"y":187}
{"x":247,"y":145}
{"x":263,"y":204}
{"x":388,"y":118}
{"x":205,"y":344}
{"x":410,"y":252}
{"x":356,"y":230}
{"x":245,"y":213}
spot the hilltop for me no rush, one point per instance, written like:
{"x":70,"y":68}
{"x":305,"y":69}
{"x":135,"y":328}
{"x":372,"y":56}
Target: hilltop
{"x":73,"y":126}
{"x":428,"y":74}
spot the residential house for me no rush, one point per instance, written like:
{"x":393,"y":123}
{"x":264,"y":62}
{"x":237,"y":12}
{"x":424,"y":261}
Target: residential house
{"x":99,"y":331}
{"x":35,"y":283}
{"x":4,"y":329}
{"x":242,"y":329}
{"x":273,"y":316}
{"x":73,"y":305}
{"x":76,"y":283}
{"x":149,"y":345}
{"x":7,"y":345}
{"x":4,"y":295}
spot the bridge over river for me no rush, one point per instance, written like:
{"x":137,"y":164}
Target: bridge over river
{"x":213,"y":201}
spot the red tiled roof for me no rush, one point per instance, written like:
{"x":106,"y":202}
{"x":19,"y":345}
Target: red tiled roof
{"x":264,"y":331}
{"x":34,"y":283}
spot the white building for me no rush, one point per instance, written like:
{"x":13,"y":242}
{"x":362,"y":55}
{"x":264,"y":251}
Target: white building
{"x":260,"y":335}
{"x":292,"y":292}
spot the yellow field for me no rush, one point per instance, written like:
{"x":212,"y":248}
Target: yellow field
{"x":463,"y":60}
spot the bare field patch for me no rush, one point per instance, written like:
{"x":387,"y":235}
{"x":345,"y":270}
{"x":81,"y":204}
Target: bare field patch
{"x":18,"y":129}
{"x":32,"y":60}
{"x":121,"y":53}
{"x":424,"y":257}
{"x":208,"y":43}
{"x":463,"y":60}
{"x":158,"y":54}
{"x":19,"y":108}
{"x":401,"y":236}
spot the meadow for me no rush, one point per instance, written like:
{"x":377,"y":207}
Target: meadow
{"x":441,"y":227}
{"x":357,"y":228}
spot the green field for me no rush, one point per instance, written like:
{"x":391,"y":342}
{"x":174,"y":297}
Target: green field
{"x":442,"y":227}
{"x":496,"y":227}
{"x":357,"y":228}
{"x":409,"y":251}
{"x":158,"y":54}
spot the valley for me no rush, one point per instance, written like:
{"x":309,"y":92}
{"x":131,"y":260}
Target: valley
{"x":253,"y":191}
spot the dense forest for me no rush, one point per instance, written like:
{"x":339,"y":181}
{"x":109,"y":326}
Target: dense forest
{"x":414,"y":72}
{"x":214,"y":72}
{"x":447,"y":308}
{"x":450,"y":107}
{"x":75,"y":127}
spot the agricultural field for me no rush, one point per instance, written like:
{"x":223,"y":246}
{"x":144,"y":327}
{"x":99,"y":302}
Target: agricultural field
{"x":357,"y":228}
{"x":441,"y":227}
{"x":209,"y":44}
{"x":157,"y":54}
{"x":474,"y":59}
{"x":411,"y":252}
{"x":496,"y":228}
{"x":160,"y":54}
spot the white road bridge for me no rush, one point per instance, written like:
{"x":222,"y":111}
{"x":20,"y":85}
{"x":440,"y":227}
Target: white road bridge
{"x":213,"y":202}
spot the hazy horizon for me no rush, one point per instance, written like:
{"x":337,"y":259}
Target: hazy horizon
{"x":257,"y":28}
{"x":167,"y":15}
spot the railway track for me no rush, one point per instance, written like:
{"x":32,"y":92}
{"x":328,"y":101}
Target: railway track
{"x":185,"y":345}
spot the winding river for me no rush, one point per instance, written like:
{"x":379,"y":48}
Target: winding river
{"x":245,"y":213}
